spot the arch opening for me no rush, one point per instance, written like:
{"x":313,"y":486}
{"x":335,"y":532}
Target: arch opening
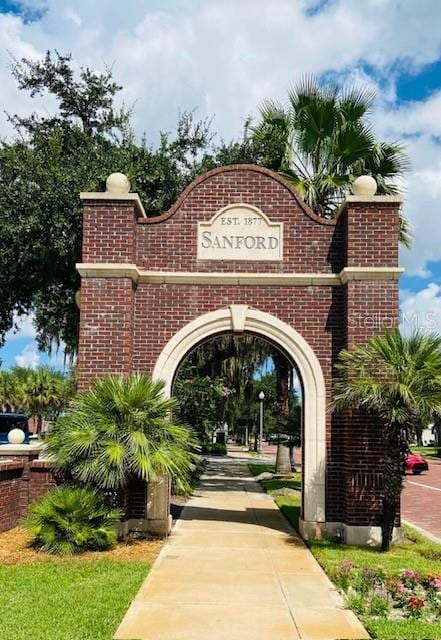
{"x":218,"y":384}
{"x":240,"y":319}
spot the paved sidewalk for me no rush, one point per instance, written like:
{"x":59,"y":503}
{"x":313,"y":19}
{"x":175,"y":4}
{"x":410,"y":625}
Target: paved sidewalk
{"x":233,"y":569}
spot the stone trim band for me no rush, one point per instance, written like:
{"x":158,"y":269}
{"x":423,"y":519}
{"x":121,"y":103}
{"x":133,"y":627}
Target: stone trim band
{"x":116,"y":270}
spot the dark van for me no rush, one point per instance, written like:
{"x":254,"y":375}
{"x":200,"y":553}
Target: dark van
{"x":9,"y":421}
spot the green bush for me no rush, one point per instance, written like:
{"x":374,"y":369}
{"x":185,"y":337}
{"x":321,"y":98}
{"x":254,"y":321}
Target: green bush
{"x":215,"y":449}
{"x":69,"y":520}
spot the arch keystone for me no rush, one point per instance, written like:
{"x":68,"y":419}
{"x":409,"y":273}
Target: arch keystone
{"x":238,"y":317}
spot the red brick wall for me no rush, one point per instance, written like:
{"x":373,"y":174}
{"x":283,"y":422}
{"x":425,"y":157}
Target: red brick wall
{"x":311,"y":244}
{"x":106,"y":328}
{"x":42,"y":479}
{"x":109,"y":232}
{"x":10,"y":488}
{"x":22,"y":482}
{"x":125,"y":328}
{"x":371,"y":234}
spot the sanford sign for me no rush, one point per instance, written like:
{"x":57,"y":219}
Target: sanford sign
{"x":240,"y":232}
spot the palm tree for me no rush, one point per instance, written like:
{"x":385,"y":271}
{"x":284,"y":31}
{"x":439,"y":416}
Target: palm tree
{"x":397,"y":378}
{"x":118,"y":430}
{"x":43,"y":391}
{"x":323,"y":140}
{"x":11,"y":392}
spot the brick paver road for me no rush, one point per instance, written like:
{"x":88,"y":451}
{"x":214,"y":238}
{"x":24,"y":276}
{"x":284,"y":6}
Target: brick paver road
{"x":421,"y":499}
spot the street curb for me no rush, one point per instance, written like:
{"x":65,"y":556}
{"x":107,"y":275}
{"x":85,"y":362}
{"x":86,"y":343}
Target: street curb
{"x":423,"y":532}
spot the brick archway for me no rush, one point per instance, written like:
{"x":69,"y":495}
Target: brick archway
{"x":239,"y":319}
{"x":240,"y":251}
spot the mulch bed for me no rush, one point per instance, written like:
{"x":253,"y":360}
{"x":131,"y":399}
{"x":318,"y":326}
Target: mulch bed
{"x":15,"y":549}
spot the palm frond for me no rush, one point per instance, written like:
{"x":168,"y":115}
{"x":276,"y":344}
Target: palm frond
{"x":119,"y":428}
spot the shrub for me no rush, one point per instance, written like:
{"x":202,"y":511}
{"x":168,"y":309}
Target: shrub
{"x":399,"y":592}
{"x":119,"y":429}
{"x":344,"y":574}
{"x":369,"y":579}
{"x":70,"y":520}
{"x":215,"y":449}
{"x":415,"y":605}
{"x":410,"y":578}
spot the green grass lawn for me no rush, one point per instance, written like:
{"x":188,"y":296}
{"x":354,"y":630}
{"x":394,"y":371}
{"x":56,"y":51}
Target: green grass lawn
{"x":417,"y":553}
{"x":427,"y":452}
{"x":75,"y":599}
{"x":260,"y":467}
{"x":294,"y":482}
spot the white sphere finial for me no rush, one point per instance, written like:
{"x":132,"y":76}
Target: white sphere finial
{"x":364,"y":186}
{"x":118,"y":183}
{"x":16,"y":436}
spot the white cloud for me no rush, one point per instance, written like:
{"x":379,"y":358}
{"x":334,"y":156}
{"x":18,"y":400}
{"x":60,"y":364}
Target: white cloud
{"x":421,"y":310}
{"x":422,"y":205}
{"x":29,"y":357}
{"x":24,"y":328}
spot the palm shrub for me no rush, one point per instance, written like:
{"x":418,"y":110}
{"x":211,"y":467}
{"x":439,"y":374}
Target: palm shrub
{"x":397,"y":378}
{"x":122,"y":429}
{"x":69,"y":520}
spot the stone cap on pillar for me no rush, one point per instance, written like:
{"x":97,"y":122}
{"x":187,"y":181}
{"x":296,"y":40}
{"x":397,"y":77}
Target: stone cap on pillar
{"x":117,"y":188}
{"x":364,"y":190}
{"x":380,"y":199}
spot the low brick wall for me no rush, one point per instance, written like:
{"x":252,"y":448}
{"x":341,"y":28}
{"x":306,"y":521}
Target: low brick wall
{"x":22,"y":482}
{"x":11,"y":482}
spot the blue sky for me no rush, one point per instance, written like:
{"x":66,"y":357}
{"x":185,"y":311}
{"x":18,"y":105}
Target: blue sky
{"x":223,"y":57}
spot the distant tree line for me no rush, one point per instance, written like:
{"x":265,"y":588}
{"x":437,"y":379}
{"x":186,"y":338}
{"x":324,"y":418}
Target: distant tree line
{"x":40,"y":393}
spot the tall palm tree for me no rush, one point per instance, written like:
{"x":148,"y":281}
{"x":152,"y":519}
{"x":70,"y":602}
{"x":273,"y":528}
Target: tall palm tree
{"x":398,"y":378}
{"x":322,"y":140}
{"x":118,"y":430}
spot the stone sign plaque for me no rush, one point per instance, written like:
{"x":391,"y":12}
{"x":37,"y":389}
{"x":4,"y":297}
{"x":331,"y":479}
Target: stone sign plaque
{"x":240,"y":232}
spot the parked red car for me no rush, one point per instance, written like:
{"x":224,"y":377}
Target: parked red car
{"x":416,"y":464}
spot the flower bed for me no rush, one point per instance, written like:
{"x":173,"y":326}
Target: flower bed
{"x":375,"y":593}
{"x":396,"y":594}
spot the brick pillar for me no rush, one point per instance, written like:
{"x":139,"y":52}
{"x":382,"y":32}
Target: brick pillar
{"x":371,"y":304}
{"x":108,"y":284}
{"x":107,"y":301}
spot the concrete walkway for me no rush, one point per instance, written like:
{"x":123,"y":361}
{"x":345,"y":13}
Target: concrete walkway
{"x":233,"y":569}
